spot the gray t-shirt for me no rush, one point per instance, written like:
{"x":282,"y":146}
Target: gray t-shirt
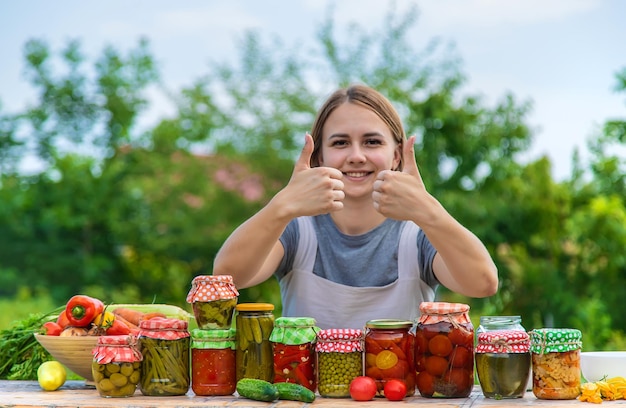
{"x":367,"y":260}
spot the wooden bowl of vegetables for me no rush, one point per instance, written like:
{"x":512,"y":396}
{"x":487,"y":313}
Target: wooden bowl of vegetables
{"x":75,"y":350}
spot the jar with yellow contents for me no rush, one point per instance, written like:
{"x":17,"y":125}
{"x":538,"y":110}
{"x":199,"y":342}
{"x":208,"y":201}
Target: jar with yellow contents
{"x":389,"y":353}
{"x":116,"y":366}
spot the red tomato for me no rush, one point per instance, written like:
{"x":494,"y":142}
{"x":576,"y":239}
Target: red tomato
{"x":461,"y":337}
{"x":395,"y":390}
{"x":440,"y":345}
{"x":363,"y":388}
{"x":52,"y":329}
{"x":461,"y":357}
{"x":436,"y":365}
{"x":425,"y":384}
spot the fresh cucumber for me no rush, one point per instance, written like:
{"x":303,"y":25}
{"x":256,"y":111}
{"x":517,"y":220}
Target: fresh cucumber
{"x":294,"y":392}
{"x":255,"y":389}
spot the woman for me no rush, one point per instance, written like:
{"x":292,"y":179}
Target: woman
{"x":354,"y":235}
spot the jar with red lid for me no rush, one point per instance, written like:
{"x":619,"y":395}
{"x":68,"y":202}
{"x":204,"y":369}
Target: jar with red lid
{"x":293,"y":342}
{"x":116,"y":365}
{"x":444,"y":350}
{"x":213,"y":362}
{"x":339,"y":361}
{"x":503,"y":363}
{"x":389,"y":353}
{"x":213,"y":299}
{"x":164,"y":344}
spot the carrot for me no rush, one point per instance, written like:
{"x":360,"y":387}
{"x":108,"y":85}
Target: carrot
{"x":151,"y":315}
{"x":130,"y":315}
{"x":134,"y":329}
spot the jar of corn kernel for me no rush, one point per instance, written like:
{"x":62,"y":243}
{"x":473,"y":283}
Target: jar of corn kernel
{"x":556,"y":363}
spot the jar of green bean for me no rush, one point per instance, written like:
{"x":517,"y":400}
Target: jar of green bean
{"x":339,"y":361}
{"x":165,"y":347}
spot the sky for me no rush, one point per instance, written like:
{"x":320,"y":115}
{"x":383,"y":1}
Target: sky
{"x":561,"y":55}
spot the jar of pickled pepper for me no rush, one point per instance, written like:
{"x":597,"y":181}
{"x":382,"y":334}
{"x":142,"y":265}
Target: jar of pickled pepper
{"x":164,"y":344}
{"x":116,"y":365}
{"x":389,"y":353}
{"x":503,"y":363}
{"x":556,"y":363}
{"x":293,"y":342}
{"x":213,"y":362}
{"x":213,"y":299}
{"x":254,"y":354}
{"x":339,"y":361}
{"x":444,"y":350}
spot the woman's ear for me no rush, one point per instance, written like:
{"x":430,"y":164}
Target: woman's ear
{"x":397,"y":158}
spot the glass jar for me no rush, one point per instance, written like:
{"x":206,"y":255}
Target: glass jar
{"x":503,"y":363}
{"x":116,"y":366}
{"x":556,"y":363}
{"x":339,"y":361}
{"x":489,"y":323}
{"x":389,"y":353}
{"x":254,"y":355}
{"x":213,"y":299}
{"x":444,"y":350}
{"x":213,"y":362}
{"x":293,"y":344}
{"x":164,"y":344}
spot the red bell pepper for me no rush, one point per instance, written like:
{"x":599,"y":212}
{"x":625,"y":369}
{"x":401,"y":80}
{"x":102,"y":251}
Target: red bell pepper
{"x":51,"y":329}
{"x":81,"y":310}
{"x":116,"y":328}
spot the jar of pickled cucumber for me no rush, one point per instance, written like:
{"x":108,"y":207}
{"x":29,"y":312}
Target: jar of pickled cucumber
{"x":503,"y":363}
{"x":444,"y":350}
{"x":293,"y":343}
{"x":489,"y":323}
{"x":556,"y":363}
{"x":389,"y":353}
{"x":116,"y":365}
{"x":213,"y":299}
{"x":254,"y":354}
{"x":213,"y":362}
{"x":339,"y":361}
{"x":164,"y":344}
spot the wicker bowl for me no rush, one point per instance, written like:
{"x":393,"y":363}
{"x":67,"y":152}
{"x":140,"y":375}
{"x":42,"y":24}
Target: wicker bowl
{"x":74,"y":352}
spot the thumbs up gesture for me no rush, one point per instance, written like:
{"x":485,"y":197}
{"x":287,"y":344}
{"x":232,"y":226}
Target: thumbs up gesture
{"x":401,"y":195}
{"x":312,"y":190}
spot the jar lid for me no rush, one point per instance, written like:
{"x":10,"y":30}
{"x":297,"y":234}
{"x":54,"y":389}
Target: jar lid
{"x":213,"y":338}
{"x":122,"y":349}
{"x":205,"y":288}
{"x":555,"y":340}
{"x":503,"y":341}
{"x":435,"y":312}
{"x":162,"y":328}
{"x":254,"y":307}
{"x":294,"y":330}
{"x":339,"y":341}
{"x":388,"y":324}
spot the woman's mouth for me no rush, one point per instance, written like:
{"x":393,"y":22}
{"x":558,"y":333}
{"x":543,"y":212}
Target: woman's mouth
{"x":356,"y":174}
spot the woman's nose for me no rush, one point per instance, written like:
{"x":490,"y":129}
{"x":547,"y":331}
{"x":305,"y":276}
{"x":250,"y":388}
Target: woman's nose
{"x":356,"y":155}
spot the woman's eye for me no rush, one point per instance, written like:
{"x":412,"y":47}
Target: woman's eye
{"x":372,"y":142}
{"x":339,"y":143}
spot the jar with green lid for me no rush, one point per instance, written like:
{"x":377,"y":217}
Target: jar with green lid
{"x":339,"y":361}
{"x":389,"y":353}
{"x":293,"y":342}
{"x":164,"y":344}
{"x":213,"y":299}
{"x":116,"y":365}
{"x":213,"y":362}
{"x":254,"y":355}
{"x":503,"y":363}
{"x":556,"y":363}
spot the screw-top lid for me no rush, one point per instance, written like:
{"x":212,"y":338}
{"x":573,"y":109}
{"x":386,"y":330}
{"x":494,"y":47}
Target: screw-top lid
{"x":388,"y":324}
{"x":254,"y":307}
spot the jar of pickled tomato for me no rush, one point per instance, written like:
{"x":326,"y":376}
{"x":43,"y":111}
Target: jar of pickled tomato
{"x":444,"y":350}
{"x":213,"y":362}
{"x":389,"y":353}
{"x":339,"y":360}
{"x":556,"y":363}
{"x":293,"y":343}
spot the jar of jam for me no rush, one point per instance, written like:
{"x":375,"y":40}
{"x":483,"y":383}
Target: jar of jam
{"x":503,"y":363}
{"x":116,"y":366}
{"x":339,"y":361}
{"x":556,"y":363}
{"x":254,"y":354}
{"x":293,"y":341}
{"x":389,"y":353}
{"x":213,"y":362}
{"x":213,"y":299}
{"x":164,"y":344}
{"x":444,"y":350}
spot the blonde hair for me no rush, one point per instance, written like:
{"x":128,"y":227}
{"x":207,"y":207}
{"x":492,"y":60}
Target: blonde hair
{"x":366,"y":97}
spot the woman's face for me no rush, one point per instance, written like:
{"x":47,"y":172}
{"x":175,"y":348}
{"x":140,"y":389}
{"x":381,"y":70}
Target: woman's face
{"x":358,"y":143}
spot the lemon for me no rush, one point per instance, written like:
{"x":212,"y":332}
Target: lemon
{"x":51,"y":375}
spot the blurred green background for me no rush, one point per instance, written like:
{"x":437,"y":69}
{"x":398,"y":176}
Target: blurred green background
{"x":131,"y":216}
